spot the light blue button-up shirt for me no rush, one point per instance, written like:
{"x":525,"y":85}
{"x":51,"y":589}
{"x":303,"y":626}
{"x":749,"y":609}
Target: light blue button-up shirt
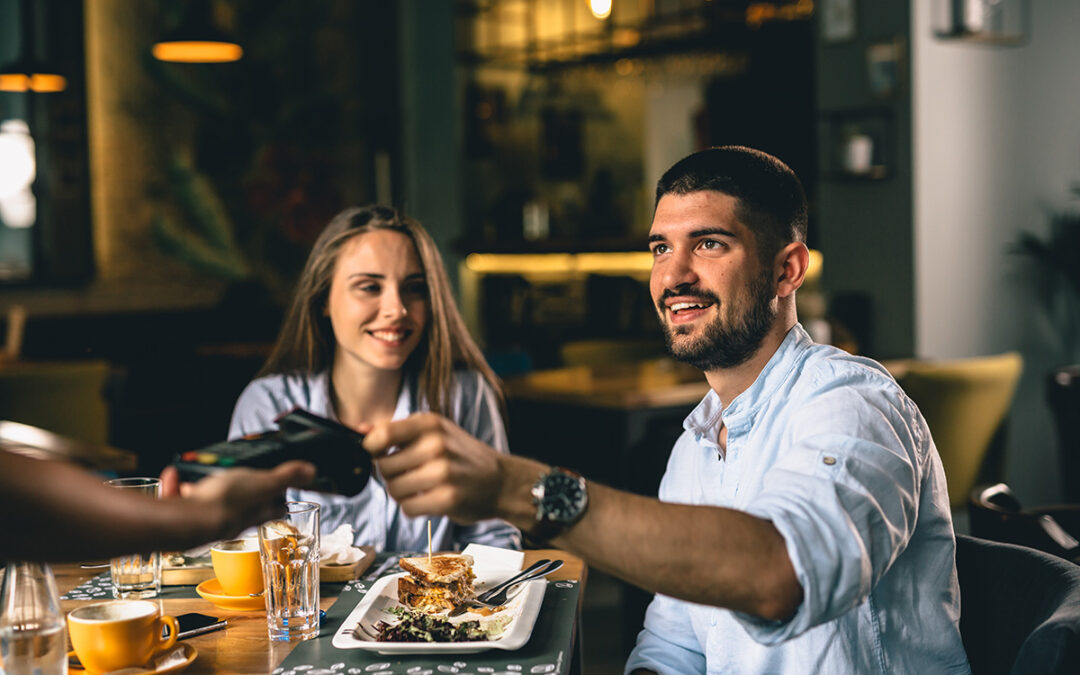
{"x":828,"y":448}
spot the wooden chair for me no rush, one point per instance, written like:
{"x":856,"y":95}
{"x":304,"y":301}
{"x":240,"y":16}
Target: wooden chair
{"x":64,"y":397}
{"x":965,"y":403}
{"x":1019,"y":609}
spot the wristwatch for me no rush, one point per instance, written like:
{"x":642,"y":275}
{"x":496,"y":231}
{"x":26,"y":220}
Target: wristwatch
{"x":560,"y":497}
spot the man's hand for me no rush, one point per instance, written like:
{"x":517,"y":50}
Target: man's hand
{"x":438,"y":469}
{"x":238,"y":498}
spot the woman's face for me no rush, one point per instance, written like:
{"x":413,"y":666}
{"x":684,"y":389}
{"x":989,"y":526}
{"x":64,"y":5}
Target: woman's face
{"x":378,"y":301}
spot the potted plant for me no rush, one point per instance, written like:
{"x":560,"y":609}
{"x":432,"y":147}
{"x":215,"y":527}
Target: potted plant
{"x":1057,"y":255}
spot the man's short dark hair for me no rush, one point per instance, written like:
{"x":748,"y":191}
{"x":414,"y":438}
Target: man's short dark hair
{"x":771,"y":201}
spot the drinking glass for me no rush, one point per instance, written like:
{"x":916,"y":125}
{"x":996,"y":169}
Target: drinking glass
{"x":137,"y":575}
{"x":289,"y":553}
{"x":32,"y":639}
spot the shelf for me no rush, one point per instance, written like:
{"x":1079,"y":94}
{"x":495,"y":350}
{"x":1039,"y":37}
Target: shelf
{"x":607,"y":245}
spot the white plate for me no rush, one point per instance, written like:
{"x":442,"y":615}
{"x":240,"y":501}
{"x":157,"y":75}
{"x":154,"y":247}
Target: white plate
{"x":522,"y":607}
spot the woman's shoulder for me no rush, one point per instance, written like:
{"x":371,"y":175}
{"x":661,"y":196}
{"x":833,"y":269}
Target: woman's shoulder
{"x":284,"y":391}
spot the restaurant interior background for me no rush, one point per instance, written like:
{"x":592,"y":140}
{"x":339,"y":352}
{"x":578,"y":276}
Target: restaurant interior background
{"x":170,"y":205}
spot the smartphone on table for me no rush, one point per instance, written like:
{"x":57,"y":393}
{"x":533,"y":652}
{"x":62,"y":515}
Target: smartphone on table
{"x":197,"y":624}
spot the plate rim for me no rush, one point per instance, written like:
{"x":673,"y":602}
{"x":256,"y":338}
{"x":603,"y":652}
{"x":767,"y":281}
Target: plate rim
{"x":343,"y":638}
{"x":236,"y":603}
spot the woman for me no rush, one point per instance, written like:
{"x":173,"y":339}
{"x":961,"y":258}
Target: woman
{"x":373,"y":334}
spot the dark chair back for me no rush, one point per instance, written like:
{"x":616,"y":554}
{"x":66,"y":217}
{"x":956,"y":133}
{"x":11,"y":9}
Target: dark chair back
{"x":996,"y":514}
{"x":1020,"y":609}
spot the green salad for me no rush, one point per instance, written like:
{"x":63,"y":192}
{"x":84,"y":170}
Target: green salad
{"x":417,"y":626}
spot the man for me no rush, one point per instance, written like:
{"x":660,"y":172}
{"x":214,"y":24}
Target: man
{"x":57,"y":511}
{"x":803,"y":524}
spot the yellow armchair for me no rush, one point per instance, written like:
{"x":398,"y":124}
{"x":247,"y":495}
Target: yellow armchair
{"x":965,"y":402}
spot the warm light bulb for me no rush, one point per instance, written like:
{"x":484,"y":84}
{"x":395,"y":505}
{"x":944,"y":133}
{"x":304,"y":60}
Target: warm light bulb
{"x":47,"y":82}
{"x":198,"y":52}
{"x":601,"y":9}
{"x":14,"y":82}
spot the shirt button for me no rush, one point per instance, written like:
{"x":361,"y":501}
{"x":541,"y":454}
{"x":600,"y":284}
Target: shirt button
{"x":829,"y":460}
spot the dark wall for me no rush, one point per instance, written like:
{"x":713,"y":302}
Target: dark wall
{"x":865,"y":224}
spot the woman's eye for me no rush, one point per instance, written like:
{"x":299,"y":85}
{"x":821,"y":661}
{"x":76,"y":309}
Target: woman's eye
{"x":367,"y":288}
{"x":418,"y":288}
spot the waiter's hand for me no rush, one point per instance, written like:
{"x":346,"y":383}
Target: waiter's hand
{"x":439,"y":469}
{"x":235,"y":499}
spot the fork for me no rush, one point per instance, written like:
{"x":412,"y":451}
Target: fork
{"x":497,"y":595}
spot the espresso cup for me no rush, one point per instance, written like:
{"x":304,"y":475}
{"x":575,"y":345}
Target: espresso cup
{"x":237,"y":567}
{"x":119,"y":634}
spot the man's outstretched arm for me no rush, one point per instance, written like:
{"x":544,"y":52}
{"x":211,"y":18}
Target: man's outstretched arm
{"x":60,"y":512}
{"x":702,"y":554}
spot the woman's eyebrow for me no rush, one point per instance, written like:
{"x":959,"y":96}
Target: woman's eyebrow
{"x":372,"y":275}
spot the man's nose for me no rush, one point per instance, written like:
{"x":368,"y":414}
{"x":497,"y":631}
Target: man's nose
{"x":678,"y":271}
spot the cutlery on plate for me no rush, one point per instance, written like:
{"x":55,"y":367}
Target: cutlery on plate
{"x":496,"y":596}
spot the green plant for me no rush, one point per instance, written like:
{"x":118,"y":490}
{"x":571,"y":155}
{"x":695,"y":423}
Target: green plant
{"x":1057,"y":275}
{"x":205,"y":238}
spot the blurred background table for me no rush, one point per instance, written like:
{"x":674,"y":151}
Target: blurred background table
{"x":615,"y":423}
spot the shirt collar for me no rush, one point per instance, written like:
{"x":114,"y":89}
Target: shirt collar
{"x":705,"y":417}
{"x":320,"y":396}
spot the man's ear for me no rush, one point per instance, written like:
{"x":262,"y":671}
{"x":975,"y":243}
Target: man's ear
{"x":790,"y":268}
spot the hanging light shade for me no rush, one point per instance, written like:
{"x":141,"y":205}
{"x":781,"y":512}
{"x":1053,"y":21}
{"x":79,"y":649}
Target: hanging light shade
{"x":197,"y":40}
{"x":27,"y":73}
{"x":30,"y":75}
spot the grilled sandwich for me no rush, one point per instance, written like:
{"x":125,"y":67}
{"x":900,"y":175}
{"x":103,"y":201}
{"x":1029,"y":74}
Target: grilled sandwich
{"x":441,"y":584}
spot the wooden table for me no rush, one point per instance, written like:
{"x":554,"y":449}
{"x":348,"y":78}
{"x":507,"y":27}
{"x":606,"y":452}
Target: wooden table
{"x":614,"y":423}
{"x":244,"y":647}
{"x":657,"y":383}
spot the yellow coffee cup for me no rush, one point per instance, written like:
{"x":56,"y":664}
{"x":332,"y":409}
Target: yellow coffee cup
{"x":119,"y":634}
{"x":237,"y":566}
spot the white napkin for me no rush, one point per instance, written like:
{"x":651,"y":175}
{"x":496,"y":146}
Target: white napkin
{"x":337,"y":547}
{"x":175,"y":657}
{"x":494,"y":564}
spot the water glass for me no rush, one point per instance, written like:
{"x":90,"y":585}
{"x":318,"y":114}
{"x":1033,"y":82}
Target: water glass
{"x":137,"y":575}
{"x":32,"y":639}
{"x":289,"y":554}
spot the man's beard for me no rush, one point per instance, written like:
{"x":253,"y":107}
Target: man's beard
{"x":723,"y":344}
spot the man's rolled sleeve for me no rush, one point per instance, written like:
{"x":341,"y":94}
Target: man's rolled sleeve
{"x":667,"y":645}
{"x":846,"y":507}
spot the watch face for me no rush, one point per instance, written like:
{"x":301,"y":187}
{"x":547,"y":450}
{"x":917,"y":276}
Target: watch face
{"x":564,"y":497}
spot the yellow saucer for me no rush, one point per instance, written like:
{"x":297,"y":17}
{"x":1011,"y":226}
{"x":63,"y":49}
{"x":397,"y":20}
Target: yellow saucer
{"x":189,"y":654}
{"x":211,"y":590}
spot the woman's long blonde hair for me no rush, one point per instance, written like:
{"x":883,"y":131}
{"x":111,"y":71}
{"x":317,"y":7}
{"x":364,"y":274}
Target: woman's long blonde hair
{"x":306,"y":342}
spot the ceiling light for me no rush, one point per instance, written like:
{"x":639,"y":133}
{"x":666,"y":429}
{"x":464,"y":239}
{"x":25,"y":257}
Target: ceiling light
{"x":197,"y":40}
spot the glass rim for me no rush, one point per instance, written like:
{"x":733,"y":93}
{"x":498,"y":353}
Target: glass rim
{"x":300,"y":507}
{"x":133,"y":482}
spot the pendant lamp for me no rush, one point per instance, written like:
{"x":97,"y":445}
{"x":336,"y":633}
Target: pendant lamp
{"x":196,"y":39}
{"x":28,"y":73}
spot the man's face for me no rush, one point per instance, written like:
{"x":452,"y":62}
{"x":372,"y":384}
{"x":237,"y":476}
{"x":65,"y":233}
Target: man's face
{"x":714,"y":299}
